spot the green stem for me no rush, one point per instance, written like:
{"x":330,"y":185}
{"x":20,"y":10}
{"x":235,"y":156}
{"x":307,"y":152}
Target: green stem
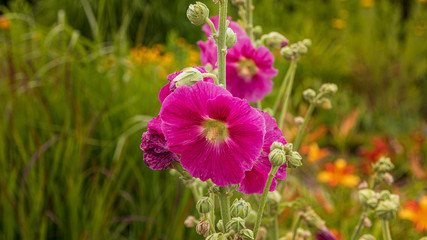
{"x":282,"y":89}
{"x":187,"y":177}
{"x":295,"y":229}
{"x":297,"y":141}
{"x":386,"y":230}
{"x":287,"y":94}
{"x":222,"y":49}
{"x":358,"y":228}
{"x":271,"y":175}
{"x":211,"y":75}
{"x":273,"y":232}
{"x":224,"y":204}
{"x":249,"y":19}
{"x":214,"y":33}
{"x":212,"y":212}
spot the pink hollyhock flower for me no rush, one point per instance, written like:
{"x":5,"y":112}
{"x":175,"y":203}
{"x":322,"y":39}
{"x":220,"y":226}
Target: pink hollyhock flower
{"x":218,"y":136}
{"x":256,"y":178}
{"x":156,"y":155}
{"x":170,"y":87}
{"x":249,"y":70}
{"x":233,"y":25}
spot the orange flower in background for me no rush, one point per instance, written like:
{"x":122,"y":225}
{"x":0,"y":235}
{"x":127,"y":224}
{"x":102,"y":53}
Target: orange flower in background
{"x":371,"y":156}
{"x":4,"y":22}
{"x":415,"y":212}
{"x":339,"y":173}
{"x":314,"y":153}
{"x":338,"y":23}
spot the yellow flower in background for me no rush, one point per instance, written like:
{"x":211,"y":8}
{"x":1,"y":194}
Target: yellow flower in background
{"x":367,"y":3}
{"x":314,"y":152}
{"x":4,"y":22}
{"x":422,"y":1}
{"x":339,"y":173}
{"x":416,"y":212}
{"x":338,"y":23}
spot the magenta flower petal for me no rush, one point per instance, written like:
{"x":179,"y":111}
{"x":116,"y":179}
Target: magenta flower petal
{"x":208,"y":52}
{"x":156,"y":154}
{"x":256,"y":178}
{"x":233,"y":25}
{"x":218,"y":136}
{"x":170,"y":87}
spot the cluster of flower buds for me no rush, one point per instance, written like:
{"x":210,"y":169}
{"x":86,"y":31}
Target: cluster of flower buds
{"x":274,"y":40}
{"x":197,"y":13}
{"x":382,"y":170}
{"x":295,"y":50}
{"x":281,"y":154}
{"x":322,"y":98}
{"x":384,"y":204}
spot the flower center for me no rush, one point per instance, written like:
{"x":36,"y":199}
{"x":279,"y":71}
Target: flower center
{"x":214,"y":130}
{"x":247,"y":68}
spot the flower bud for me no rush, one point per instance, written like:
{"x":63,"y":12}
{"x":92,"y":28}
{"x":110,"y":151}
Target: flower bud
{"x":367,"y":222}
{"x":188,"y":77}
{"x":324,"y":103}
{"x":277,"y":157}
{"x":383,"y":165}
{"x":387,"y":178}
{"x":238,"y":3}
{"x":190,"y":221}
{"x":275,"y":40}
{"x":309,"y":94}
{"x":395,"y":199}
{"x":372,"y":203}
{"x":302,"y":49}
{"x":288,"y":148}
{"x":197,"y":13}
{"x":240,"y":208}
{"x":216,"y":236}
{"x":202,"y":228}
{"x":246,"y":234}
{"x":328,"y":89}
{"x":235,"y":224}
{"x":230,"y":38}
{"x":363,"y":185}
{"x":306,"y":42}
{"x":220,"y":225}
{"x":294,"y":160}
{"x":299,"y":120}
{"x":204,"y":205}
{"x":251,"y":218}
{"x":367,"y":237}
{"x":386,"y":210}
{"x":274,"y":197}
{"x":365,"y":195}
{"x":385,"y":195}
{"x":257,"y":31}
{"x":276,"y":145}
{"x":287,"y":53}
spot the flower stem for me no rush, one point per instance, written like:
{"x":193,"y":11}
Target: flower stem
{"x":214,"y":33}
{"x":295,"y":229}
{"x":386,"y":230}
{"x":212,"y":213}
{"x":211,"y":75}
{"x":271,"y":175}
{"x":287,"y":94}
{"x":249,"y":19}
{"x":301,"y":129}
{"x":358,"y":228}
{"x":282,"y":89}
{"x":224,"y":204}
{"x":273,"y":232}
{"x":222,"y":49}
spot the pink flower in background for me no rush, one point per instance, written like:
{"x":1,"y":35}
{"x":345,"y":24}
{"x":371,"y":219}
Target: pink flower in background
{"x":208,"y":52}
{"x":256,"y":178}
{"x":156,"y":155}
{"x":170,"y":87}
{"x":240,"y":31}
{"x":218,"y":136}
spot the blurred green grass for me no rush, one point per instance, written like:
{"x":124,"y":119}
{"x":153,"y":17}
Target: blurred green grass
{"x":74,"y":106}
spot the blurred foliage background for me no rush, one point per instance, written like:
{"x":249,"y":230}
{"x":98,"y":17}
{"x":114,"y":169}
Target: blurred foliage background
{"x":79,"y":81}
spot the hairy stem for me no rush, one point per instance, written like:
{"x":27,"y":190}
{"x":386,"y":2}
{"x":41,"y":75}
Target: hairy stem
{"x":249,"y":19}
{"x":282,"y":88}
{"x":292,"y":69}
{"x":214,"y":33}
{"x":224,"y":204}
{"x":386,"y":230}
{"x":212,"y":212}
{"x":358,"y":228}
{"x":222,"y":49}
{"x":271,"y":175}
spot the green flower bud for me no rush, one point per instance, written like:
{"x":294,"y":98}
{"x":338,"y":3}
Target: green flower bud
{"x":240,"y":208}
{"x":302,"y":49}
{"x":372,"y":203}
{"x":204,"y":205}
{"x":197,"y":13}
{"x":365,"y":195}
{"x":383,"y":165}
{"x":220,"y":225}
{"x":306,"y":42}
{"x":235,"y":224}
{"x":309,"y":94}
{"x":274,"y":197}
{"x":324,"y":103}
{"x":385,"y":195}
{"x":288,"y":148}
{"x":190,"y":221}
{"x":294,"y":160}
{"x":328,"y":89}
{"x":386,"y":210}
{"x":251,"y":218}
{"x":257,"y":31}
{"x":188,"y":77}
{"x":230,"y":38}
{"x":216,"y":236}
{"x":395,"y":199}
{"x":277,"y":157}
{"x":275,"y":40}
{"x":387,"y":178}
{"x":276,"y":145}
{"x":246,"y":234}
{"x":202,"y":228}
{"x":287,"y":53}
{"x":367,"y":237}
